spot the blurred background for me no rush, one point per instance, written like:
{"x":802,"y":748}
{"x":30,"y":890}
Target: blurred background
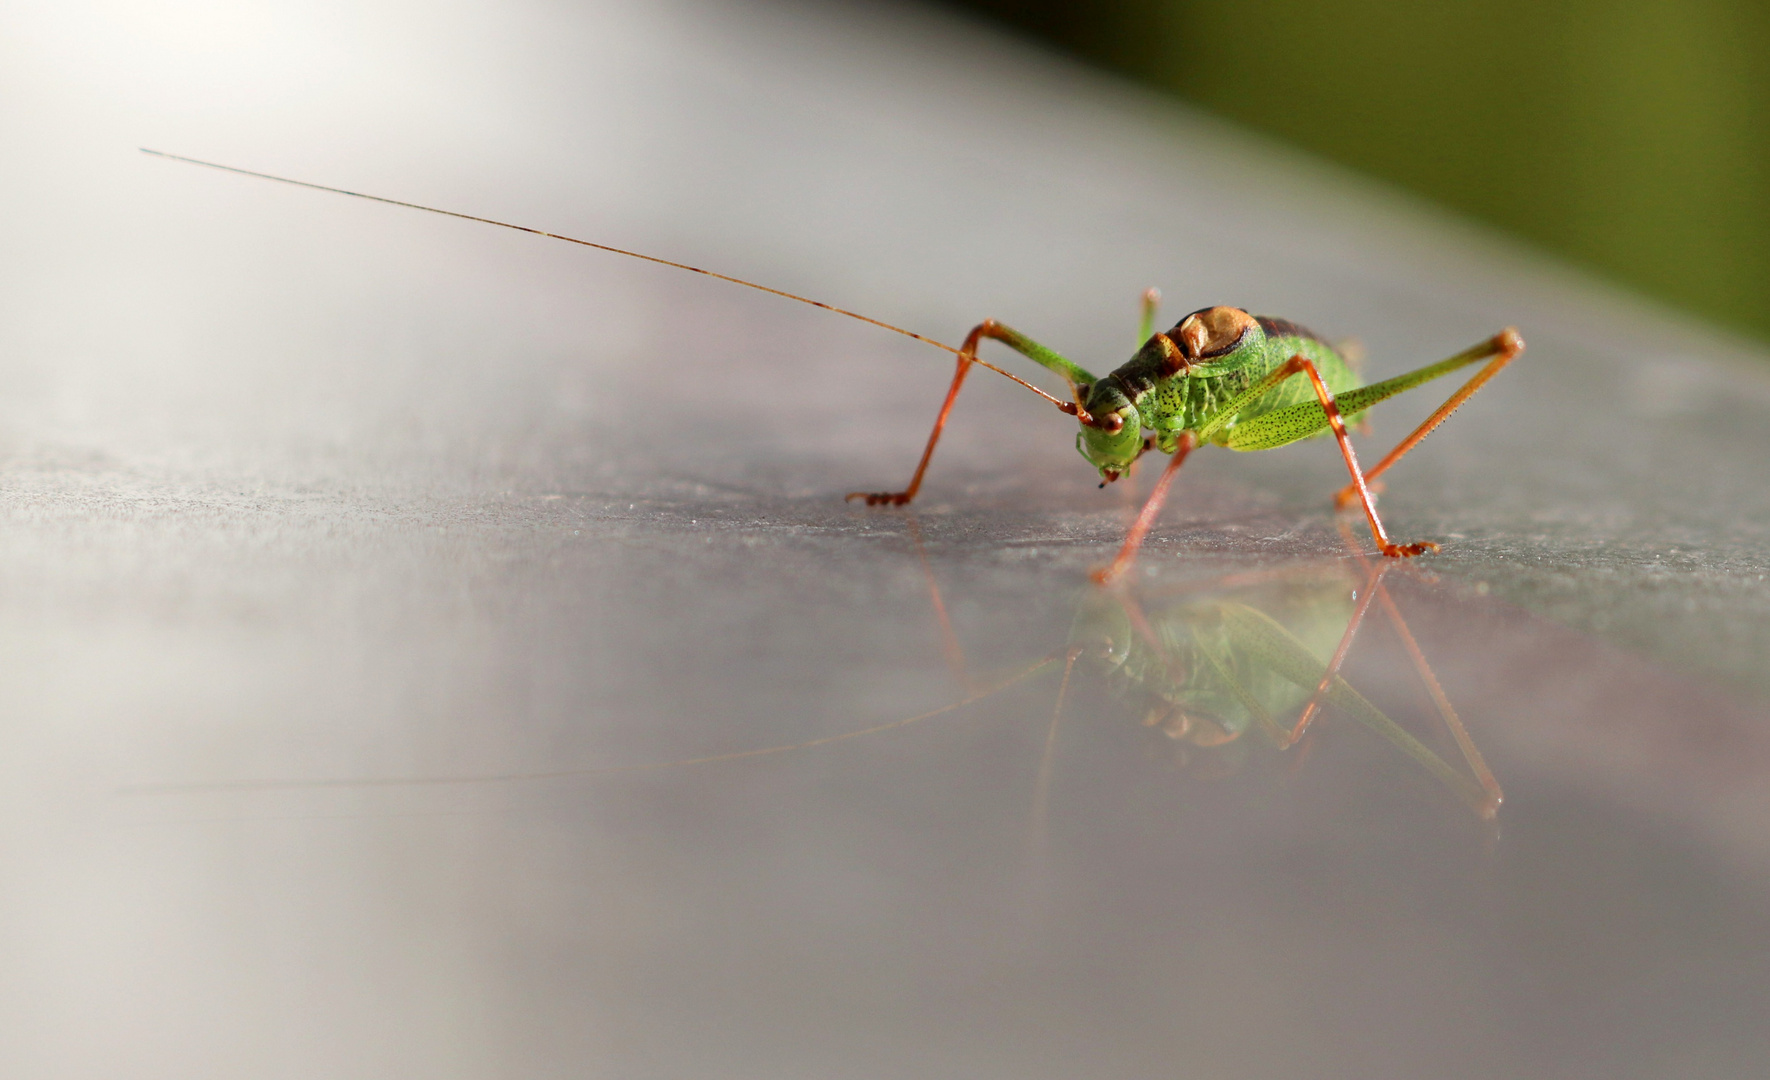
{"x":1629,"y":136}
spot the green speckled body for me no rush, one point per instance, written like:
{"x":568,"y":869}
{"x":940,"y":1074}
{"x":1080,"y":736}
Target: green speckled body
{"x":1183,"y":402}
{"x":1223,"y":376}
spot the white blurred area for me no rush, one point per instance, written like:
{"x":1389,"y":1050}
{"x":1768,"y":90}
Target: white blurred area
{"x":811,"y":150}
{"x":155,"y":303}
{"x":145,"y":300}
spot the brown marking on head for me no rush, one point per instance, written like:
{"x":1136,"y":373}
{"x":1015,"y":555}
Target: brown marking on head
{"x":1211,"y":332}
{"x":1173,"y":360}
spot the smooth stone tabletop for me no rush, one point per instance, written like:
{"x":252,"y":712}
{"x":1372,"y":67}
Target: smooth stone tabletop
{"x":379,"y":589}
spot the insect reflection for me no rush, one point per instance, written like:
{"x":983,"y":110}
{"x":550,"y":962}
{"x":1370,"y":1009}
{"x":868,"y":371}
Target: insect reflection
{"x":1218,"y":667}
{"x":1247,"y":663}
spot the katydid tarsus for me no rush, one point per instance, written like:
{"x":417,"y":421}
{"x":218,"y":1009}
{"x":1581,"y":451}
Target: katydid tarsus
{"x":1220,"y":376}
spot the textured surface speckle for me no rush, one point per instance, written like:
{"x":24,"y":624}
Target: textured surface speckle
{"x":358,"y":566}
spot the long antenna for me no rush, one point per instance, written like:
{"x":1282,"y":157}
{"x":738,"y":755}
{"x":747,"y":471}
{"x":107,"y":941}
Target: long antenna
{"x":616,"y":251}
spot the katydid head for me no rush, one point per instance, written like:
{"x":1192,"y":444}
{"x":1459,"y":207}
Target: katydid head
{"x":1112,"y":433}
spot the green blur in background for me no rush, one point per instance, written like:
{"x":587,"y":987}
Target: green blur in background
{"x":1630,"y":136}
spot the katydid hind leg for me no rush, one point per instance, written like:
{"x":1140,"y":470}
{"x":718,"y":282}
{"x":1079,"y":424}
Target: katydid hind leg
{"x":1332,"y":410}
{"x":1282,"y":427}
{"x":1500,"y":350}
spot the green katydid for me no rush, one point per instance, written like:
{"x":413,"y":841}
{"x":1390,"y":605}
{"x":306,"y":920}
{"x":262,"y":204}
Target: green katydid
{"x":1219,"y":376}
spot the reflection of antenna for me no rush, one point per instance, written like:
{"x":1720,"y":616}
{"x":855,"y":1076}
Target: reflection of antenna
{"x":572,"y":774}
{"x":1048,"y":760}
{"x":1213,"y":660}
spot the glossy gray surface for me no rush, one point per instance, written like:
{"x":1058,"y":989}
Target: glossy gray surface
{"x":360,"y":564}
